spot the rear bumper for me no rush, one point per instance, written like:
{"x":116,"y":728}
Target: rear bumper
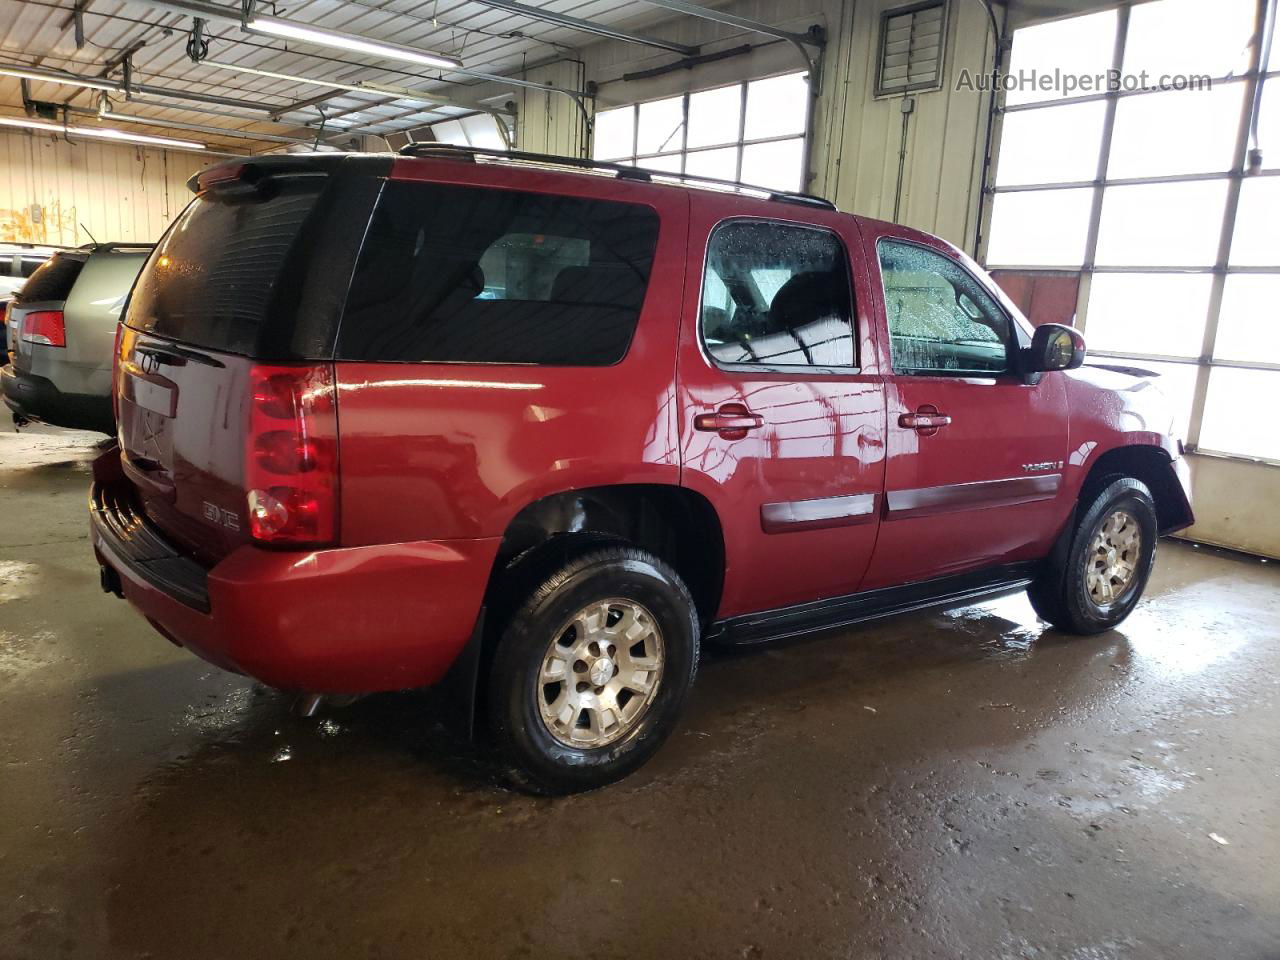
{"x":38,"y":398}
{"x":346,"y":620}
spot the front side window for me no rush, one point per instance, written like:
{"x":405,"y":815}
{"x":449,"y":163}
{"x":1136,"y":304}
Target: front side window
{"x":941,"y":319}
{"x":776,"y":294}
{"x":478,"y":275}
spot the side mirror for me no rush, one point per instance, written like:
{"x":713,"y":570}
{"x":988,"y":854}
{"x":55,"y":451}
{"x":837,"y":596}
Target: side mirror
{"x":1054,"y":346}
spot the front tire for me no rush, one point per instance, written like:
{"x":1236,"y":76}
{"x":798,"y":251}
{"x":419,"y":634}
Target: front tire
{"x":1099,"y":579}
{"x":592,"y":671}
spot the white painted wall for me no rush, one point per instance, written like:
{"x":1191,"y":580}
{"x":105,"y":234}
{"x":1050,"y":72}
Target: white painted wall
{"x":52,"y":190}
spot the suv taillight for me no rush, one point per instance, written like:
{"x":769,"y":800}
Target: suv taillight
{"x":291,"y":458}
{"x":45,"y":327}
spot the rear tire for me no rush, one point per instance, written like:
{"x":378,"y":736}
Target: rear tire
{"x":1098,"y":580}
{"x":592,"y":671}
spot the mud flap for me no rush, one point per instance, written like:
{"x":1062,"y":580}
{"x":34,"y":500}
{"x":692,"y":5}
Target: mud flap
{"x":459,"y":690}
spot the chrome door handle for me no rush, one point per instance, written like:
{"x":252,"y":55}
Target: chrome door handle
{"x":927,"y":420}
{"x":731,"y":421}
{"x":924,"y":421}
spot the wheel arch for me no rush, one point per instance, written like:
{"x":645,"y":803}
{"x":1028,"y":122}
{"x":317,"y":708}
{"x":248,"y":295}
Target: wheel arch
{"x":1154,"y":467}
{"x":673,"y":523}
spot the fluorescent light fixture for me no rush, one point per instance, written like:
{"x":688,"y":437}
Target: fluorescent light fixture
{"x":345,"y":41}
{"x":102,"y":133}
{"x":354,"y":87}
{"x":45,"y":76}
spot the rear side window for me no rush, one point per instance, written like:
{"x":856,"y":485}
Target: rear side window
{"x":53,"y":279}
{"x":220,"y":276}
{"x":476,"y":275}
{"x":777,"y":295}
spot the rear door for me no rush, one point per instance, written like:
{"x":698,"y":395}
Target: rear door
{"x":974,"y":475}
{"x":254,"y":270}
{"x":781,"y":401}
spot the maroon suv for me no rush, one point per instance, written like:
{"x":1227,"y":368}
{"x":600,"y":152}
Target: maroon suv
{"x":385,"y":421}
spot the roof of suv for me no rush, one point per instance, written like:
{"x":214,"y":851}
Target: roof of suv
{"x":515,"y":159}
{"x":621,"y":171}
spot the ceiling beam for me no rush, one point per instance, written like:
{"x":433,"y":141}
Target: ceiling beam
{"x":588,"y":26}
{"x":733,"y":20}
{"x":357,"y":86}
{"x":219,"y":14}
{"x":147,"y":89}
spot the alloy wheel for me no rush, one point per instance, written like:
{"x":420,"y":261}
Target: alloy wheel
{"x":600,"y":673}
{"x":1112,"y":561}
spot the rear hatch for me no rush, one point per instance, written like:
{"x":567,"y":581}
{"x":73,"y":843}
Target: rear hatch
{"x":227,"y":423}
{"x":35,"y":317}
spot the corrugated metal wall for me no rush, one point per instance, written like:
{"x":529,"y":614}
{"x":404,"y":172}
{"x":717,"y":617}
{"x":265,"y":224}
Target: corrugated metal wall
{"x":52,"y":191}
{"x":857,"y":138}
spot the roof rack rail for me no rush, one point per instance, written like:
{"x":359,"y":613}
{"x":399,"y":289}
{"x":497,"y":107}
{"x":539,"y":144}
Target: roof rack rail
{"x":621,"y":170}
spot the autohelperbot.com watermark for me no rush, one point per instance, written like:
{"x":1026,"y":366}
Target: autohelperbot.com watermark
{"x":1066,"y":84}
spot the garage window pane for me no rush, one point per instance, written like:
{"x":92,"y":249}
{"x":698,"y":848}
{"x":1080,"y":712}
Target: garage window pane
{"x":669,"y":163}
{"x":482,"y":131}
{"x":661,"y":127}
{"x":776,"y":107}
{"x":1189,"y":37}
{"x":449,"y":131}
{"x":1162,"y":224}
{"x":1177,"y":132}
{"x":615,"y":134}
{"x":1257,"y":234}
{"x":1177,"y":381}
{"x":1249,"y":325}
{"x":722,"y":163}
{"x":1050,"y":145}
{"x":1042,"y":228}
{"x":1269,"y":124}
{"x":715,"y":116}
{"x":1233,"y":392}
{"x":774,"y":165}
{"x":1148,"y":312}
{"x":1079,"y":45}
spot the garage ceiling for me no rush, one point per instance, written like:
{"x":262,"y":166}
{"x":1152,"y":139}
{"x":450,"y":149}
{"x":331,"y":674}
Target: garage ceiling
{"x":489,"y":40}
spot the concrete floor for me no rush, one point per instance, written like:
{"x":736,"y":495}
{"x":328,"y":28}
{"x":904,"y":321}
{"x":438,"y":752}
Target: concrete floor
{"x":944,"y":785}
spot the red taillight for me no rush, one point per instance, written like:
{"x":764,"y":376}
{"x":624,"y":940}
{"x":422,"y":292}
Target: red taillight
{"x":291,"y":462}
{"x":45,"y":327}
{"x":223,"y":173}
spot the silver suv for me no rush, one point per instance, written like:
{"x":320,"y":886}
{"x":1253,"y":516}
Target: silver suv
{"x":61,"y":329}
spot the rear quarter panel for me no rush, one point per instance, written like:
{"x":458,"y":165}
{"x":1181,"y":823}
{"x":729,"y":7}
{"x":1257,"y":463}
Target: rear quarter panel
{"x":433,"y":451}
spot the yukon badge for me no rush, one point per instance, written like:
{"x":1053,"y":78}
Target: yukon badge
{"x":1046,"y":465}
{"x":220,"y":517}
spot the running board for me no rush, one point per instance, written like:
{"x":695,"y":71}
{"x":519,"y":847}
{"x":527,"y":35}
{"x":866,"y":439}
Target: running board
{"x":854,"y":608}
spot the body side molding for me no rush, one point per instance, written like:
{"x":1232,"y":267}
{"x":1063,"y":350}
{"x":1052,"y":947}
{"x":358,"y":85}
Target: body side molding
{"x":964,"y":496}
{"x":817,"y":514}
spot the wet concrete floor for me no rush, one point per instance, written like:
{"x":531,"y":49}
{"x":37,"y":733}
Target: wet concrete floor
{"x":962,"y":784}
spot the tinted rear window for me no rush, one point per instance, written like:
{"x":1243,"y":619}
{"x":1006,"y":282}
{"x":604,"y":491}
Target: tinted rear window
{"x":221,"y":276}
{"x":469,"y":274}
{"x":53,"y":279}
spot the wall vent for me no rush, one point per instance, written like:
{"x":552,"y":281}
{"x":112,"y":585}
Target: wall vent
{"x":912,"y":40}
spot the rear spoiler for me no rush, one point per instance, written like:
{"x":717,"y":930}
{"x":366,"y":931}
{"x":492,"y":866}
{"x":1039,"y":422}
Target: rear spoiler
{"x":238,"y":178}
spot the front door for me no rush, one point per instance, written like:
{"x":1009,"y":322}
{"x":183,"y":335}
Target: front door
{"x":975,"y":456}
{"x":781,"y":403}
